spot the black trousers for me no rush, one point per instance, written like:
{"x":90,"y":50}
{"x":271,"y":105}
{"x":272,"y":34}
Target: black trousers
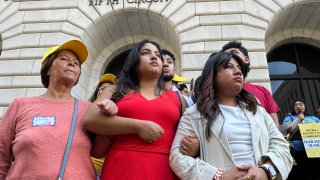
{"x":306,"y":168}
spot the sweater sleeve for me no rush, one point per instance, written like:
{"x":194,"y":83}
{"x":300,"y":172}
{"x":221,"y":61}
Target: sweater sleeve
{"x":187,"y":167}
{"x":7,"y":135}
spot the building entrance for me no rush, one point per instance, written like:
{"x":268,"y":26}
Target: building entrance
{"x":117,"y":63}
{"x":295,"y":72}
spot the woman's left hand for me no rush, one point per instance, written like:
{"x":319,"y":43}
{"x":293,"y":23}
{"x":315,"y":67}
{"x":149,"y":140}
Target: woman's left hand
{"x":255,"y":173}
{"x":190,"y":145}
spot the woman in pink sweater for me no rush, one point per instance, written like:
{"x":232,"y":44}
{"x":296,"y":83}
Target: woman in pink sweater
{"x":34,"y":130}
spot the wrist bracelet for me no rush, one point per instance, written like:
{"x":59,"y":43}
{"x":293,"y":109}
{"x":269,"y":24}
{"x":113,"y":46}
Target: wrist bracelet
{"x":218,"y":174}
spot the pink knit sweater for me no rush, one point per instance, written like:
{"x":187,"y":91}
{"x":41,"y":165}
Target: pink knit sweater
{"x":37,"y":148}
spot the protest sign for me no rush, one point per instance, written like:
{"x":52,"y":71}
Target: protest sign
{"x":310,"y":134}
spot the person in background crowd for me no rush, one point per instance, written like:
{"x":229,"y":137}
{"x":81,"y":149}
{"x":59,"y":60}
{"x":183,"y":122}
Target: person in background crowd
{"x":169,"y":69}
{"x":34,"y":130}
{"x":106,"y":82}
{"x":176,"y":80}
{"x":264,"y":97}
{"x":184,"y":90}
{"x":191,"y":142}
{"x":101,"y":144}
{"x":143,"y":121}
{"x":195,"y":95}
{"x":169,"y":74}
{"x":238,"y":139}
{"x":307,"y":168}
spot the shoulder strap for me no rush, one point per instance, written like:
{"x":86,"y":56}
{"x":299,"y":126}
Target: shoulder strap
{"x":183,"y":103}
{"x":68,"y":146}
{"x":291,"y":118}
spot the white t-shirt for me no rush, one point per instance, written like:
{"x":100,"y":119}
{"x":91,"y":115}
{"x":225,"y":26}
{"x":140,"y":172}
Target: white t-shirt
{"x":238,"y":131}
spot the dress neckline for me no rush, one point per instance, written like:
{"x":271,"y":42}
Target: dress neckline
{"x":153,"y":98}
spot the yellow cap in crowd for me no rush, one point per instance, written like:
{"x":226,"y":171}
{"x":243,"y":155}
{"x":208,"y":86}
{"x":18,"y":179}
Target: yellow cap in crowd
{"x":178,"y":78}
{"x":107,"y":78}
{"x":74,"y":45}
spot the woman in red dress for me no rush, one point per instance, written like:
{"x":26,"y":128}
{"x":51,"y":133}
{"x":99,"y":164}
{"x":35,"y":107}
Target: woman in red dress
{"x":146,"y":120}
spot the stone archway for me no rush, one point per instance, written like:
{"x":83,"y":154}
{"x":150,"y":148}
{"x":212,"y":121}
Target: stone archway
{"x":116,"y":33}
{"x":296,"y":23}
{"x":28,"y":28}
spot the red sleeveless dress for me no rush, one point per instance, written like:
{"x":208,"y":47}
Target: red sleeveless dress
{"x":132,"y":158}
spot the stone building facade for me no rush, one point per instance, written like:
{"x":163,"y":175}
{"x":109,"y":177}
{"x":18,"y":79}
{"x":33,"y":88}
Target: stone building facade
{"x":192,"y":29}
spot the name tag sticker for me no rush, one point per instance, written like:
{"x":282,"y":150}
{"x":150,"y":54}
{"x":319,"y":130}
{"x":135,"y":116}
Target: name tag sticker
{"x":44,"y":121}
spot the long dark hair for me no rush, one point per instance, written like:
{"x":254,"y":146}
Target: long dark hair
{"x":205,"y":89}
{"x":128,"y":80}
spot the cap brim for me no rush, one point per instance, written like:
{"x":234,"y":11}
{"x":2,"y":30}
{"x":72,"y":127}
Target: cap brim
{"x":77,"y":47}
{"x":108,"y":78}
{"x":178,"y":78}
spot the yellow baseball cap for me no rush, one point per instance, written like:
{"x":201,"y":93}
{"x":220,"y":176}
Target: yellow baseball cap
{"x":178,"y":78}
{"x":107,"y":78}
{"x":74,"y":45}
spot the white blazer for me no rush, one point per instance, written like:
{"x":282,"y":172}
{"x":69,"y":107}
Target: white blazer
{"x":267,"y":142}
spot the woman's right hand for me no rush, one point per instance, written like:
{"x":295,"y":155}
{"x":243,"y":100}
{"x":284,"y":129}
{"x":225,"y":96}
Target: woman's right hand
{"x":149,"y":131}
{"x":236,"y":172}
{"x":300,"y":117}
{"x":295,"y":123}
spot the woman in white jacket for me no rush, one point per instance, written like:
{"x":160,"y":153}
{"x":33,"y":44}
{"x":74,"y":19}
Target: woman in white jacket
{"x":238,"y":139}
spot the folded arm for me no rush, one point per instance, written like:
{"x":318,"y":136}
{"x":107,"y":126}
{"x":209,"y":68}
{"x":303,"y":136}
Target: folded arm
{"x":184,"y":166}
{"x":97,"y":119}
